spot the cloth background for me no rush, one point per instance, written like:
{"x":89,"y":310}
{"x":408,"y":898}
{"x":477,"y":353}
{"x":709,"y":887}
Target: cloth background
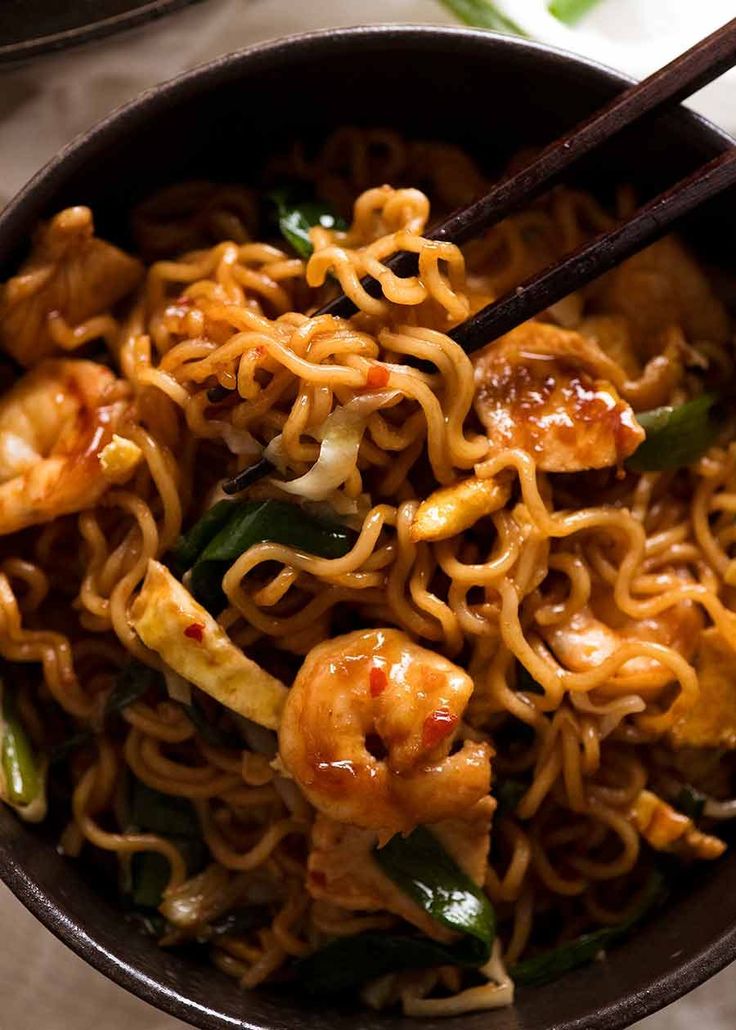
{"x":43,"y":986}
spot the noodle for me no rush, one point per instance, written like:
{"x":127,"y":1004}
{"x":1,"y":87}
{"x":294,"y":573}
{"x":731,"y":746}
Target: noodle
{"x":582,"y":604}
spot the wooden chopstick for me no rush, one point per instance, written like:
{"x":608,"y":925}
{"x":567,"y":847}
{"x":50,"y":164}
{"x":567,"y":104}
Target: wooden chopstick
{"x":597,"y":256}
{"x":687,"y":73}
{"x":684,"y":75}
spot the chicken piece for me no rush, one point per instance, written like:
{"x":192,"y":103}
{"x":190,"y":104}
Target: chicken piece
{"x":594,"y":633}
{"x":549,"y":391}
{"x":368,"y":729}
{"x":54,"y":424}
{"x":613,"y":336}
{"x":711,"y":722}
{"x":343,"y":871}
{"x":452,"y":509}
{"x":71,"y":273}
{"x":169,"y":621}
{"x":660,"y":286}
{"x":668,"y":830}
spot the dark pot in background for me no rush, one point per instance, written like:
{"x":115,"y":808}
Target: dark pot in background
{"x":492,"y":94}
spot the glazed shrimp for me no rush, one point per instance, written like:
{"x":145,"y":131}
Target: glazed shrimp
{"x":367,"y":731}
{"x":54,"y":424}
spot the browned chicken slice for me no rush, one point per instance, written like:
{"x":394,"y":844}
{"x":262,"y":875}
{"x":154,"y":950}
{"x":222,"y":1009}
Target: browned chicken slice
{"x":598,"y":630}
{"x":343,"y":871}
{"x":70,"y":272}
{"x":553,"y":393}
{"x":712,"y":720}
{"x":657,"y":288}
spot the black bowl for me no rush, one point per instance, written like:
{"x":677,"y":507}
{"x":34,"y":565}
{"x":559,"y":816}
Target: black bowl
{"x":494,"y":94}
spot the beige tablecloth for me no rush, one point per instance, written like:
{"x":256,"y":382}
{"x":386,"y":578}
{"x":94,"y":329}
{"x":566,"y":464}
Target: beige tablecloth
{"x":43,"y":986}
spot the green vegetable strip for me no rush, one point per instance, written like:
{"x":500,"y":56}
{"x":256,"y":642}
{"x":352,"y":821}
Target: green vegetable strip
{"x":420,"y":866}
{"x":482,"y":14}
{"x":133,"y":681}
{"x":345,"y":964}
{"x":170,"y":817}
{"x":552,"y":964}
{"x":690,"y":801}
{"x":508,"y":794}
{"x":189,"y":546}
{"x":22,"y":779}
{"x":154,"y":812}
{"x":295,"y":221}
{"x":675,"y":436}
{"x":570,"y":11}
{"x":253,"y":522}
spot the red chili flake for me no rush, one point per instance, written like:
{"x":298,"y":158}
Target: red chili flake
{"x":183,"y":301}
{"x":195,"y":632}
{"x":378,"y":681}
{"x":437,"y":726}
{"x":377,"y":377}
{"x":318,"y":878}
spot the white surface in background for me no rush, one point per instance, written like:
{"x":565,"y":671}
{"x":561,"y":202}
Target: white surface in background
{"x":43,"y":986}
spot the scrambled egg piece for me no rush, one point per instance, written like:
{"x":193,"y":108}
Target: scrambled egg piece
{"x":554,"y":394}
{"x":120,"y":458}
{"x":450,"y":510}
{"x":711,"y":722}
{"x":668,"y":830}
{"x":71,"y":273}
{"x":343,"y":871}
{"x":169,"y":621}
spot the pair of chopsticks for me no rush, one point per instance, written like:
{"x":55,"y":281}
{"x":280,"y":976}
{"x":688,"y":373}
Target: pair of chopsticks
{"x":685,"y":75}
{"x":679,"y":79}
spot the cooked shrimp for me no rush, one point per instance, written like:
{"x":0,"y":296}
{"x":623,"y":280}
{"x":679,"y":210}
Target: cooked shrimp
{"x":71,"y":275}
{"x":593,"y":634}
{"x":553,"y":393}
{"x":367,"y":729}
{"x":53,"y":425}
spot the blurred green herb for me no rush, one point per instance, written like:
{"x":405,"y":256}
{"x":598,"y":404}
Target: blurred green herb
{"x":483,"y":14}
{"x":571,"y":11}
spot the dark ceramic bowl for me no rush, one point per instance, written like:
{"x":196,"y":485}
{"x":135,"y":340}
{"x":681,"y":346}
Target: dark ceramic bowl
{"x":494,"y":95}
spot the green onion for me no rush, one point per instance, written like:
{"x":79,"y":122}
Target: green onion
{"x":208,"y":731}
{"x":422,"y":869}
{"x":508,"y":794}
{"x":22,"y":781}
{"x":570,"y":11}
{"x":482,"y":14}
{"x":295,"y":220}
{"x":154,"y":812}
{"x":675,"y":436}
{"x":173,"y":818}
{"x":248,"y":523}
{"x":690,"y":801}
{"x":189,"y":546}
{"x":344,"y":964}
{"x":133,"y":681}
{"x":552,"y":964}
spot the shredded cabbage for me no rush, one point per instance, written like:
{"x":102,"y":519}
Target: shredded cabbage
{"x":340,"y":438}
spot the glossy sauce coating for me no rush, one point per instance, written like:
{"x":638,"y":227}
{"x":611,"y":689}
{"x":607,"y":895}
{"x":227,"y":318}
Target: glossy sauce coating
{"x":376,"y":753}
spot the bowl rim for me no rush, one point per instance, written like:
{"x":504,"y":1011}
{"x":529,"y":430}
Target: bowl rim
{"x":687,"y":972}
